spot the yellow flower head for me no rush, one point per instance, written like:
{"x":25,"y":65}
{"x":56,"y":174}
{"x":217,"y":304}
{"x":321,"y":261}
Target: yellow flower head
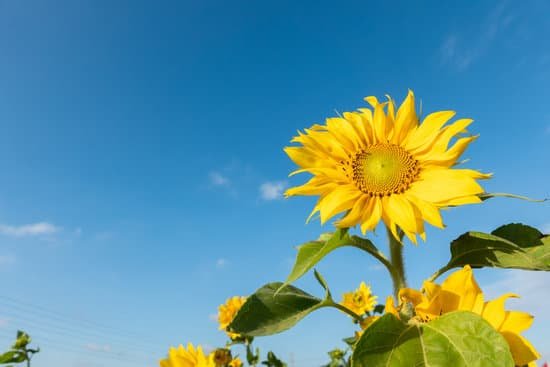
{"x":235,"y":362}
{"x":460,"y":291}
{"x":360,"y":301}
{"x":190,"y":357}
{"x":227,"y":312}
{"x":381,"y":165}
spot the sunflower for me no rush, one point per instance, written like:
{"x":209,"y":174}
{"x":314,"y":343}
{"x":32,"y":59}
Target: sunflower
{"x":227,"y":312}
{"x":381,"y":165}
{"x":235,"y":362}
{"x":460,"y":291}
{"x":190,"y":357}
{"x":360,"y":301}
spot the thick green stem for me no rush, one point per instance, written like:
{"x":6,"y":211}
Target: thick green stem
{"x":331,"y":303}
{"x":398,"y":266}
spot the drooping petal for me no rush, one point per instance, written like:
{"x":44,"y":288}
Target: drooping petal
{"x":522,"y":351}
{"x":355,"y":214}
{"x":516,"y":321}
{"x":338,"y":200}
{"x":494,"y":311}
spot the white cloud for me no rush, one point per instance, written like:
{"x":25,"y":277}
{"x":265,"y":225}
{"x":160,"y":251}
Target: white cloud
{"x":28,"y":230}
{"x":98,"y":347}
{"x":460,"y":51}
{"x":220,"y":263}
{"x":272,"y":190}
{"x":217,"y":179}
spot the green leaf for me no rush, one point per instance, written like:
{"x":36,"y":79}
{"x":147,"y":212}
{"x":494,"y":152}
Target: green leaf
{"x":458,"y":339}
{"x":310,"y":253}
{"x":269,"y":311}
{"x":13,"y":356}
{"x":514,"y":246}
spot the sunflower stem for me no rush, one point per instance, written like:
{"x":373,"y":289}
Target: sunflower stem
{"x":331,"y":303}
{"x":396,"y":259}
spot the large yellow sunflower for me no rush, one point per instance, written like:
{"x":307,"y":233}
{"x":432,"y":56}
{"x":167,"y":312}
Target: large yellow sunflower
{"x":190,"y":357}
{"x":378,"y":164}
{"x":460,"y":291}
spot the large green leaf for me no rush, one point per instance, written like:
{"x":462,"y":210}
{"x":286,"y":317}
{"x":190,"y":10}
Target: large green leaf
{"x":458,"y":339}
{"x":269,"y":312}
{"x":513,"y":245}
{"x":310,"y":253}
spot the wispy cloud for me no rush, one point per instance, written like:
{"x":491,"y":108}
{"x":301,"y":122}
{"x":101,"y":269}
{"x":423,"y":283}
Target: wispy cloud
{"x":221,"y":262}
{"x":460,"y":50}
{"x":98,"y":347}
{"x":272,"y":190}
{"x":29,"y":230}
{"x":217,"y":179}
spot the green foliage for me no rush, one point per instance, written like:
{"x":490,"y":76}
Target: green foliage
{"x":513,"y":245}
{"x":337,"y":358}
{"x":273,"y":361}
{"x":269,"y":311}
{"x":458,"y":339}
{"x":19,"y":352}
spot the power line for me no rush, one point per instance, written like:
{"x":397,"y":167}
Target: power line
{"x":55,"y":314}
{"x":38,"y":324}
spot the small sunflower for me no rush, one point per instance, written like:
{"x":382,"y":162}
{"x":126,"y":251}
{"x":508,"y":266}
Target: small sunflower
{"x":384,"y":165}
{"x":227,"y":312}
{"x":360,"y":301}
{"x":235,"y":362}
{"x":460,"y":291}
{"x":190,"y":357}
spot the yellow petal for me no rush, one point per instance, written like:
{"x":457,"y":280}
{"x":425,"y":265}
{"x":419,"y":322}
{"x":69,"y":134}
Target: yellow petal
{"x":410,"y":295}
{"x":390,"y":307}
{"x":405,"y":119}
{"x":428,"y":129}
{"x":430,"y":213}
{"x":379,"y":124}
{"x":355,"y":214}
{"x":522,"y":351}
{"x":303,"y":157}
{"x":441,"y":186}
{"x":338,"y":200}
{"x":372,"y":100}
{"x":516,"y":321}
{"x":398,"y":207}
{"x":460,"y":291}
{"x":494,"y":311}
{"x":372,"y":214}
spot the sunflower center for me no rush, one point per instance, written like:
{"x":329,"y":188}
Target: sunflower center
{"x":384,"y":169}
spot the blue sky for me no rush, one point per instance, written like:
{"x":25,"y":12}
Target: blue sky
{"x":141,"y":150}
